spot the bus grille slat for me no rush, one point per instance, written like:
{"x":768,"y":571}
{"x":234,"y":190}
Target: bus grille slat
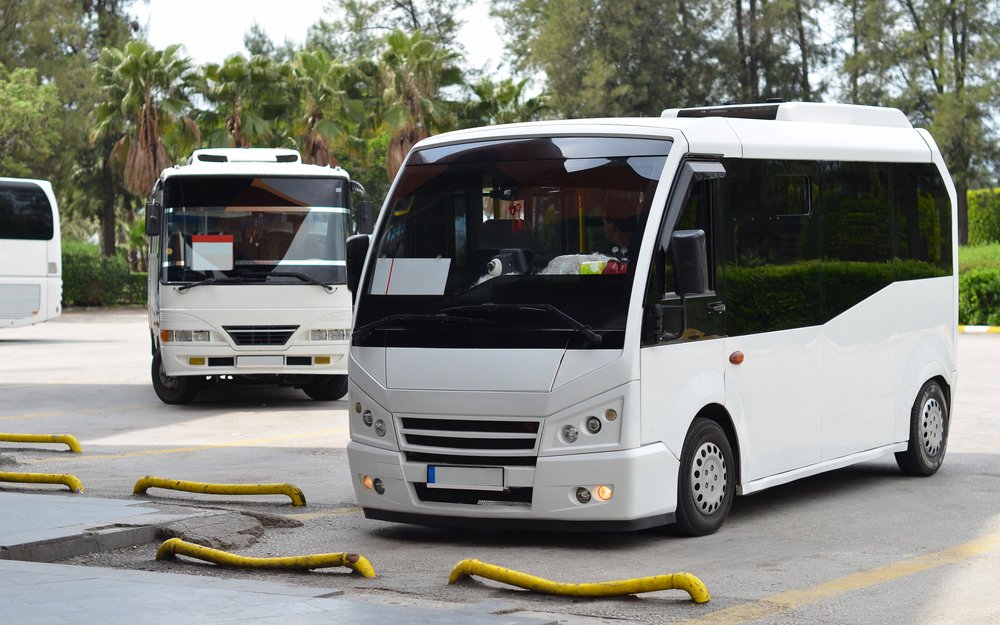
{"x":260,"y":335}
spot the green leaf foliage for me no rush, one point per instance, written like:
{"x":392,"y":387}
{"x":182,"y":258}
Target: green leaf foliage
{"x":984,"y":216}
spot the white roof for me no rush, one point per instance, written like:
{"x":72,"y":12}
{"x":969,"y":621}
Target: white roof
{"x":250,"y":162}
{"x":803,"y":131}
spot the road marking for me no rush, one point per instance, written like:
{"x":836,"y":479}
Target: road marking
{"x":70,"y":411}
{"x":306,"y":516}
{"x":793,"y":599}
{"x":188,"y":449}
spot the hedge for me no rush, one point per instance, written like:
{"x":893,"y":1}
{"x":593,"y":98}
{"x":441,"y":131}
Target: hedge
{"x":92,"y":280}
{"x":984,"y":216}
{"x":979,"y":297}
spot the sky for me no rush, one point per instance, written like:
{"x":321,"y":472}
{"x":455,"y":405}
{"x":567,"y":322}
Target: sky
{"x":212,"y":30}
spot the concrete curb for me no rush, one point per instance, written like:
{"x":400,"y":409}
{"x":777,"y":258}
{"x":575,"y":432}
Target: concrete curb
{"x":979,"y":329}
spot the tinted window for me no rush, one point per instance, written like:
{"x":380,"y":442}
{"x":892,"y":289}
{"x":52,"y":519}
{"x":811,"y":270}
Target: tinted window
{"x":25,"y":212}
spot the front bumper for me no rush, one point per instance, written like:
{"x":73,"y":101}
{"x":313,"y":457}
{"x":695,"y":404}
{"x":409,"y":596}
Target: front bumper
{"x":224,"y":360}
{"x":644,"y":483}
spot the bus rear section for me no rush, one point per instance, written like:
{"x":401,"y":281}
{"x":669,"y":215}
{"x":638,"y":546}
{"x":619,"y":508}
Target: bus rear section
{"x":250,"y":288}
{"x":30,"y":253}
{"x":620,"y":324}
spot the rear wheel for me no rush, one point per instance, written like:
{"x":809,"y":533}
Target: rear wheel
{"x":928,"y":432}
{"x":706,"y":484}
{"x":173,"y":390}
{"x":326,"y":387}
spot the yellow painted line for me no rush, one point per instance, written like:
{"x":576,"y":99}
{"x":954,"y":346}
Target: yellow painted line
{"x":307,"y":516}
{"x":192,"y":448}
{"x":70,"y":412}
{"x":793,"y":599}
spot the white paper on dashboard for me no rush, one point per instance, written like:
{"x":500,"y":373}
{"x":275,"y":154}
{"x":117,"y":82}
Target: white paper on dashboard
{"x":410,"y":276}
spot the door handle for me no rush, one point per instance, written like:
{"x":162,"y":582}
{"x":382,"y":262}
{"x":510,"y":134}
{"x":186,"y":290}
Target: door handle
{"x":716,"y":308}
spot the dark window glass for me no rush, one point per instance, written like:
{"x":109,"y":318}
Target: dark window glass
{"x":25,"y":212}
{"x":923,"y":222}
{"x":772,"y":266}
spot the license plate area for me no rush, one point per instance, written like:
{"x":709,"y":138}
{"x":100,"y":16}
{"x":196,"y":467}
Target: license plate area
{"x":467,"y":478}
{"x":247,"y":362}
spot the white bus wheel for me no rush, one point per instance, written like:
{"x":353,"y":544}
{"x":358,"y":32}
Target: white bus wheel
{"x":326,"y":387}
{"x":707,"y":480}
{"x":173,"y":390}
{"x":928,"y":432}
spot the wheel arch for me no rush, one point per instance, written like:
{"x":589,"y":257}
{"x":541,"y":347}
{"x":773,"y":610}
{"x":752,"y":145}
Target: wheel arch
{"x":719,"y":414}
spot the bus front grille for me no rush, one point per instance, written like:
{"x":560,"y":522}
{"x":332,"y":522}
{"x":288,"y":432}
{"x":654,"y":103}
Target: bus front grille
{"x":511,"y":497}
{"x":494,"y":440}
{"x":260,"y":335}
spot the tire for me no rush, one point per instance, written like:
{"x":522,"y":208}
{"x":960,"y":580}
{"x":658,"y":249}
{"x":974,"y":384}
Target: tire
{"x":326,"y":387}
{"x":706,"y":484}
{"x":173,"y":390}
{"x":929,"y":421}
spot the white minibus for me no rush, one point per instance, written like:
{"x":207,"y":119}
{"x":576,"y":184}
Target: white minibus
{"x":30,"y":253}
{"x":623,"y":323}
{"x":247,"y":273}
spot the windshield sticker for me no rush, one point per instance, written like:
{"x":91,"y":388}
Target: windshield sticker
{"x":410,"y":276}
{"x":212,"y":252}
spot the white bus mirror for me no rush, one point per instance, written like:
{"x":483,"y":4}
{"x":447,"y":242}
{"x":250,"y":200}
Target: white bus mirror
{"x":690,"y":258}
{"x":357,"y":250}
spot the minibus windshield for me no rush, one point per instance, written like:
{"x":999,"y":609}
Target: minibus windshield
{"x":238,"y":230}
{"x":541,"y":222}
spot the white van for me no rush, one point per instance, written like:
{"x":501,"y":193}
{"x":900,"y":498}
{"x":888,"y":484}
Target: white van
{"x":624,"y":323}
{"x":247,"y":273}
{"x":30,"y":253}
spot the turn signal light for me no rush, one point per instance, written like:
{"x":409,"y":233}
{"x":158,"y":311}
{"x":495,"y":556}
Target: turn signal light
{"x":367,"y":482}
{"x":603,"y":492}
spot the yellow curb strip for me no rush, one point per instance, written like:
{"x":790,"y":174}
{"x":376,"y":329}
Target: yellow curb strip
{"x":680,"y":581}
{"x":65,"y":439}
{"x":72,"y":481}
{"x":356,"y":562}
{"x":979,"y":329}
{"x":293,"y":492}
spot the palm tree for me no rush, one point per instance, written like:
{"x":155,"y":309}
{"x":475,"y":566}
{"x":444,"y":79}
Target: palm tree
{"x":413,"y":71}
{"x":249,"y":101}
{"x":502,"y":103}
{"x":144,"y":95}
{"x":326,"y":112}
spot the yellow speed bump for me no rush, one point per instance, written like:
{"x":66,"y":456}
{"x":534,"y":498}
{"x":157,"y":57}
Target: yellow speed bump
{"x":358,"y":563}
{"x":680,"y":581}
{"x":293,"y":492}
{"x":72,"y":481}
{"x":65,"y":439}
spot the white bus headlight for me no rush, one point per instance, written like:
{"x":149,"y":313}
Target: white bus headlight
{"x":328,"y":335}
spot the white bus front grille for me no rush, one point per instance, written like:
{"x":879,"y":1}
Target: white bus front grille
{"x":499,"y":438}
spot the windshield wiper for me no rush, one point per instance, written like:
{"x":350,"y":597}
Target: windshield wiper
{"x":490,"y":308}
{"x":303,"y":277}
{"x":206,"y":281}
{"x":442,"y":318}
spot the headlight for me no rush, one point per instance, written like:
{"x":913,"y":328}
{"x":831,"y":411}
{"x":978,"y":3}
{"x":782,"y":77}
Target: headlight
{"x":185,"y":336}
{"x":328,"y":335}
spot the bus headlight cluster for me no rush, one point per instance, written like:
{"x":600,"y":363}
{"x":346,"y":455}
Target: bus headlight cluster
{"x":185,"y":336}
{"x":328,"y":335}
{"x":591,"y":424}
{"x":369,"y":419}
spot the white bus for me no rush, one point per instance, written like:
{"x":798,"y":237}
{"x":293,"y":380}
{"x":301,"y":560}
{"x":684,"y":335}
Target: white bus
{"x":30,"y":253}
{"x":247,"y":273}
{"x":624,"y":323}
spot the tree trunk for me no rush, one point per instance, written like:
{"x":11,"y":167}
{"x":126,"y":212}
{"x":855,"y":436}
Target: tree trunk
{"x":108,"y":210}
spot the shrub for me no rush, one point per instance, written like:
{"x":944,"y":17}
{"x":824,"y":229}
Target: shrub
{"x":89,"y":279}
{"x":984,"y":216}
{"x":979,"y":297}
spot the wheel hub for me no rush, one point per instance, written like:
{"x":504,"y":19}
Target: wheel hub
{"x":932,"y":426}
{"x":708,"y":478}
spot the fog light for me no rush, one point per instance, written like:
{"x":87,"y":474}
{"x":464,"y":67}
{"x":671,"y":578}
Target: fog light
{"x":366,"y":481}
{"x":610,"y":414}
{"x":367,"y":418}
{"x":197,"y":361}
{"x":379,"y":486}
{"x":380,"y":427}
{"x":593,"y":425}
{"x":603,"y":492}
{"x":570,"y":434}
{"x":583,"y":495}
{"x":321,"y":360}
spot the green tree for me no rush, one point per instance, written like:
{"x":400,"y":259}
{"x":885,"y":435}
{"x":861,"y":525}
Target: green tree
{"x":502,"y":102}
{"x":414,"y":71}
{"x":249,"y":102}
{"x":326,"y":113}
{"x":30,"y":121}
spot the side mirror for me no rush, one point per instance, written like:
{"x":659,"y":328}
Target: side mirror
{"x":154,"y":213}
{"x":357,"y":250}
{"x":690,"y":257}
{"x":366,"y":217}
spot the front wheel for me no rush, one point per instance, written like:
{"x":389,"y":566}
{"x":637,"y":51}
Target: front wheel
{"x":326,"y":387}
{"x":707,"y":480}
{"x":928,"y":432}
{"x":170,"y":389}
